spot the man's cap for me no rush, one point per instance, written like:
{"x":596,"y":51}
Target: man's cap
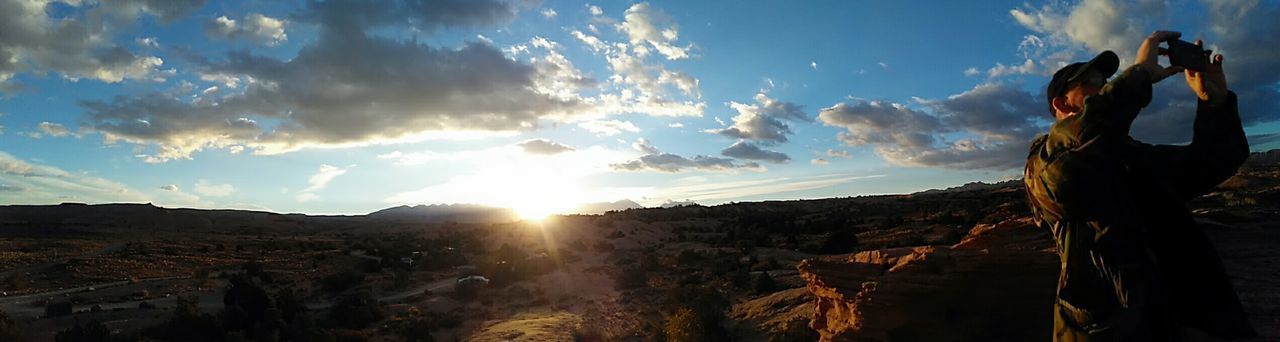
{"x":1106,"y":63}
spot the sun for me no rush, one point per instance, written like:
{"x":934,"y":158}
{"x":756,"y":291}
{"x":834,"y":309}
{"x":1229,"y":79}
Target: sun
{"x":535,"y":212}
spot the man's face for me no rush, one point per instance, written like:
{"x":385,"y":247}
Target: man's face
{"x":1087,"y":85}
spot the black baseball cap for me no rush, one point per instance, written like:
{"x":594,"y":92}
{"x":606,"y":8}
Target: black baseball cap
{"x":1106,"y":63}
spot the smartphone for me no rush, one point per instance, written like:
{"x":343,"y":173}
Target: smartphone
{"x":1187,"y":55}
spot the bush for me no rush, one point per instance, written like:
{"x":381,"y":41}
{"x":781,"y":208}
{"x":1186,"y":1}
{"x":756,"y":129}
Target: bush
{"x":355,"y":311}
{"x":92,"y":332}
{"x":9,"y":330}
{"x":796,"y":330}
{"x":341,"y":281}
{"x":764,"y":284}
{"x":57,"y":309}
{"x":631,"y":278}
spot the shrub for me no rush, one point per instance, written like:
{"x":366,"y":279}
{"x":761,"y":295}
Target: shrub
{"x":631,"y":278}
{"x":796,"y":330}
{"x":92,"y":332}
{"x":9,"y":330}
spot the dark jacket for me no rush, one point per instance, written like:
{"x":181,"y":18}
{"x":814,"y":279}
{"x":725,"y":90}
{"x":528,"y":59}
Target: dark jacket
{"x":1135,"y":266}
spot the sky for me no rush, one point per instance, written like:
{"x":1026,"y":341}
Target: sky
{"x":347,"y":107}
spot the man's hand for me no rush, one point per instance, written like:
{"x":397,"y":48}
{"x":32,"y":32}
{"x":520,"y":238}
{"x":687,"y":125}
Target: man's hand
{"x":1211,"y":84}
{"x":1149,"y":52}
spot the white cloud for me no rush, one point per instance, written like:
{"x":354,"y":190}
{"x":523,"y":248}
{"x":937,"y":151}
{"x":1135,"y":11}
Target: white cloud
{"x":543,"y":147}
{"x":203,"y":187}
{"x":1026,"y":68}
{"x":50,"y":129}
{"x":148,"y":42}
{"x":972,"y":71}
{"x":675,"y":125}
{"x":593,"y":42}
{"x":645,"y":24}
{"x":609,"y":127}
{"x":704,"y":191}
{"x":813,"y":65}
{"x":595,"y":10}
{"x":765,"y":121}
{"x":254,"y":27}
{"x":23,"y":182}
{"x":307,"y":197}
{"x":818,"y":161}
{"x":549,"y":13}
{"x":322,"y":177}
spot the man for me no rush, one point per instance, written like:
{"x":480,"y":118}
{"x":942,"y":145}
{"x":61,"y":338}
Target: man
{"x":1135,"y":266}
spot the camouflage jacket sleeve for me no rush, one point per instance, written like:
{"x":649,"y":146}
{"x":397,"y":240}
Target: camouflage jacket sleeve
{"x":1075,"y":170}
{"x":1218,"y":148}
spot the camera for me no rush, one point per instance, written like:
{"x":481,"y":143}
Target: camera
{"x":1188,"y":55}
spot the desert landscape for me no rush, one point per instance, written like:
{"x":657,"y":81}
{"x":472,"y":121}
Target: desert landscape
{"x":959,"y":264}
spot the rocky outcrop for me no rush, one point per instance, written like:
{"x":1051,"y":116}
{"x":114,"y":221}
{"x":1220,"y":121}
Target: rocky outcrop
{"x":996,"y":284}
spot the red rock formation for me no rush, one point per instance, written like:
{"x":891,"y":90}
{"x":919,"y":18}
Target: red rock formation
{"x":996,"y":284}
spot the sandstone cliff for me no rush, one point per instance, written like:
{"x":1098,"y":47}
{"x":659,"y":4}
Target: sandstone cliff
{"x":996,"y":284}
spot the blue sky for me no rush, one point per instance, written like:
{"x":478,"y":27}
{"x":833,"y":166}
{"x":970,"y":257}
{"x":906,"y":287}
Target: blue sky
{"x":345,"y":107}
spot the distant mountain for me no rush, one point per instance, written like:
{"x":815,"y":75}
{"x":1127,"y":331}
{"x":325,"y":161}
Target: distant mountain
{"x":604,"y":207}
{"x":974,"y":186}
{"x":1266,"y":158}
{"x":439,"y":213}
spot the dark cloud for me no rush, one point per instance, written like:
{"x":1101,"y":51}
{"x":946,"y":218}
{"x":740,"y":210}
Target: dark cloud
{"x":994,"y":123}
{"x":655,"y":160}
{"x":543,"y":147}
{"x":75,"y":46}
{"x":1246,"y":32}
{"x":746,"y":150}
{"x":11,"y":188}
{"x":426,"y":15}
{"x":1263,"y":139}
{"x":765,"y":121}
{"x":345,"y":88}
{"x":169,"y":187}
{"x":666,"y":162}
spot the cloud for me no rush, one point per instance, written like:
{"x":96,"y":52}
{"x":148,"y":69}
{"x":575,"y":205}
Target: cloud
{"x":22,"y":182}
{"x":543,"y":147}
{"x":203,"y":187}
{"x":989,"y":128}
{"x":549,"y":13}
{"x":675,"y":125}
{"x":609,"y":127}
{"x":818,"y":161}
{"x":169,"y":187}
{"x":746,"y":150}
{"x":837,"y":153}
{"x":1243,"y":31}
{"x":322,"y":177}
{"x":307,"y":197}
{"x":765,"y":121}
{"x":813,"y":65}
{"x":254,"y":27}
{"x":50,"y":129}
{"x":655,"y":160}
{"x":1026,"y":68}
{"x":78,"y":46}
{"x":349,"y":88}
{"x":645,"y":24}
{"x":705,"y":192}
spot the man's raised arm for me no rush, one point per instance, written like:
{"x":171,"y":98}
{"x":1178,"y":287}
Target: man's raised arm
{"x":1218,"y":146}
